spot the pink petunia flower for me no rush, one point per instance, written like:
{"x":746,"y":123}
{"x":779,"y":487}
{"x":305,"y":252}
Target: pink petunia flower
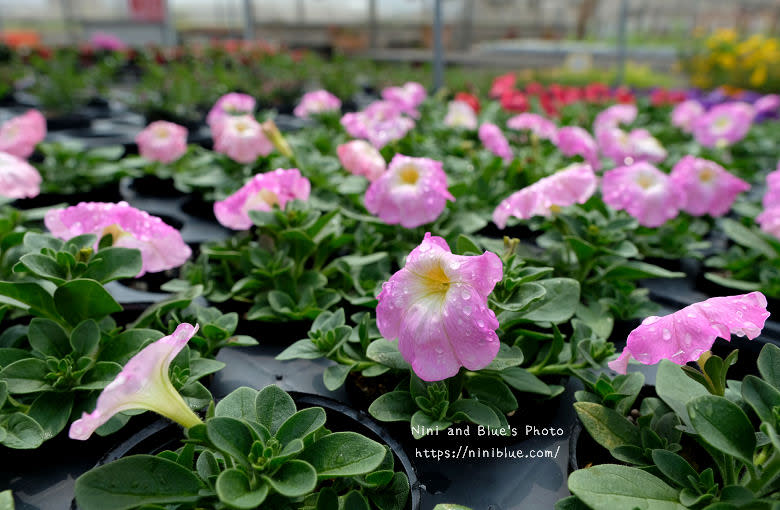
{"x":540,"y":126}
{"x":724,"y":124}
{"x":494,"y":140}
{"x":361,"y":158}
{"x":769,"y":220}
{"x":767,"y":105}
{"x":144,"y":383}
{"x":686,"y":114}
{"x":627,"y":148}
{"x":685,"y":335}
{"x":412,"y":192}
{"x":233,"y":103}
{"x":642,"y":191}
{"x":380,"y":123}
{"x":162,"y":141}
{"x":106,"y":41}
{"x":261,"y":193}
{"x":436,"y":306}
{"x":407,"y":98}
{"x":772,"y":194}
{"x":612,"y":117}
{"x":707,"y":187}
{"x":575,"y":141}
{"x":460,"y":115}
{"x":18,"y":179}
{"x":318,"y":101}
{"x":160,"y":244}
{"x":241,"y":137}
{"x":574,"y":184}
{"x":20,"y":135}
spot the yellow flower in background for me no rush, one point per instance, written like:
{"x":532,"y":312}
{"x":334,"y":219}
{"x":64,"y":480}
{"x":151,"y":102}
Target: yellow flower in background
{"x":723,"y":58}
{"x":758,"y":77}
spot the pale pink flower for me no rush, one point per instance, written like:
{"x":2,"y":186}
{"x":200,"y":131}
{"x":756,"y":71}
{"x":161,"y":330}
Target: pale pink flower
{"x":160,"y":244}
{"x":575,"y":141}
{"x":767,"y":105}
{"x":261,"y":193}
{"x":162,"y":141}
{"x":241,"y":137}
{"x":412,"y":192}
{"x":574,"y":184}
{"x":318,"y":101}
{"x":685,"y":335}
{"x":436,"y":306}
{"x":144,"y":383}
{"x":380,"y":123}
{"x":361,"y":158}
{"x":540,"y":126}
{"x":460,"y":115}
{"x":772,"y":194}
{"x":18,"y":179}
{"x":493,"y":139}
{"x":406,"y":98}
{"x":233,"y":103}
{"x":769,"y":220}
{"x":642,"y":191}
{"x":707,"y":187}
{"x":106,"y":41}
{"x":686,"y":114}
{"x":627,"y":148}
{"x":724,"y":124}
{"x":613,"y":116}
{"x":20,"y":135}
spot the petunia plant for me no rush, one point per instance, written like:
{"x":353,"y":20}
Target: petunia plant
{"x":69,"y":167}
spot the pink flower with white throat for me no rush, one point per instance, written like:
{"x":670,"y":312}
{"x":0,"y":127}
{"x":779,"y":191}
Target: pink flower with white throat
{"x":160,"y":244}
{"x":644,"y":192}
{"x":233,"y":103}
{"x":361,"y":158}
{"x":18,"y":179}
{"x":685,"y":335}
{"x":769,"y":219}
{"x":613,"y":116}
{"x":20,"y":135}
{"x":318,"y":101}
{"x":406,"y":98}
{"x":686,"y":114}
{"x":575,"y":141}
{"x":412,"y":192}
{"x":707,"y":187}
{"x":627,"y":148}
{"x":460,"y":115}
{"x":574,"y":184}
{"x":494,"y":140}
{"x":261,"y":193}
{"x":380,"y":123}
{"x":241,"y":137}
{"x":144,"y":383}
{"x":540,"y":126}
{"x":162,"y":141}
{"x":724,"y":125}
{"x":436,"y":306}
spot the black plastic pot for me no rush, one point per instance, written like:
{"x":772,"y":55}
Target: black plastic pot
{"x":75,"y":120}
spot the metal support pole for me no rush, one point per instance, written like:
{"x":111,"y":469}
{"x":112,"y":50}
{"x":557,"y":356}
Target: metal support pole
{"x":301,"y":11}
{"x":249,"y":20}
{"x":373,"y":26}
{"x":169,"y":30}
{"x":468,"y":24}
{"x":67,"y":15}
{"x":438,"y":48}
{"x":621,"y":43}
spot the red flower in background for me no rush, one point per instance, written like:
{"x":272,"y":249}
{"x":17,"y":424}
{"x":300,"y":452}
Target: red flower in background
{"x":502,"y":84}
{"x":535,"y":89}
{"x":660,"y":97}
{"x":469,"y":99}
{"x":597,"y":93}
{"x":624,"y":95}
{"x":514,"y":101}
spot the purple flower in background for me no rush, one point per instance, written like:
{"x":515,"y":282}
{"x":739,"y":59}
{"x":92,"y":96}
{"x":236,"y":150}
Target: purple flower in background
{"x":767,"y":107}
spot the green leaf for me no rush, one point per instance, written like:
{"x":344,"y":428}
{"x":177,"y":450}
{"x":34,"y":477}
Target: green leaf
{"x":273,"y":407}
{"x":6,"y":500}
{"x":523,"y":295}
{"x":355,"y":501}
{"x":81,"y":299}
{"x":394,"y":495}
{"x":636,"y":270}
{"x":123,"y":347}
{"x":473,"y":411}
{"x":676,"y":389}
{"x":386,"y":353}
{"x":301,"y":425}
{"x":464,"y":244}
{"x":230,"y":436}
{"x":25,"y":376}
{"x":45,"y":267}
{"x":343,"y":454}
{"x":559,"y":303}
{"x":327,"y":499}
{"x":605,"y":426}
{"x":179,"y":301}
{"x":724,"y":426}
{"x":51,"y":410}
{"x":294,"y":479}
{"x":393,"y":406}
{"x":21,"y":432}
{"x":30,"y":297}
{"x":609,"y":486}
{"x":99,"y":376}
{"x":675,"y":468}
{"x":48,"y":337}
{"x":747,"y":237}
{"x":523,"y":380}
{"x":135,"y":481}
{"x":239,"y":404}
{"x":302,"y":349}
{"x":233,"y":489}
{"x":493,"y":391}
{"x":422,"y":425}
{"x":507,"y":356}
{"x":335,"y":375}
{"x":448,"y":506}
{"x":207,"y":465}
{"x":761,"y":396}
{"x":201,"y":367}
{"x":85,"y":338}
{"x":769,"y":364}
{"x":114,"y":263}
